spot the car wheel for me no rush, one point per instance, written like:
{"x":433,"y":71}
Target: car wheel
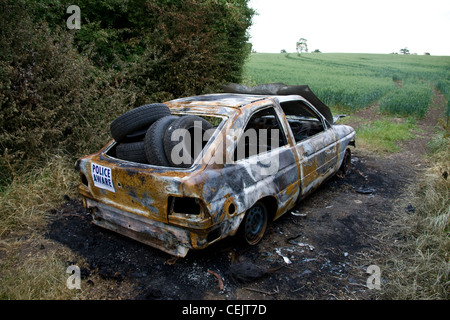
{"x":254,"y":224}
{"x":154,"y":141}
{"x":133,"y":151}
{"x":188,"y":125}
{"x":137,"y":119}
{"x":346,"y":166}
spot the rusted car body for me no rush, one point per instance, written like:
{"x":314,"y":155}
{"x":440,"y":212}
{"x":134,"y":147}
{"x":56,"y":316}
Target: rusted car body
{"x":177,"y":209}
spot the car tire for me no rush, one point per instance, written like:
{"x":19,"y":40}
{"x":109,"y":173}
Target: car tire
{"x":137,"y":119}
{"x":154,"y":141}
{"x":255,"y":222}
{"x":133,"y":151}
{"x":346,"y":166}
{"x":187,"y":123}
{"x":135,"y":136}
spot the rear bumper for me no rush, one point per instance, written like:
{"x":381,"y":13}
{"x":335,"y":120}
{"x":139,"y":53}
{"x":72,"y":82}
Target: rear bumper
{"x":170,"y":239}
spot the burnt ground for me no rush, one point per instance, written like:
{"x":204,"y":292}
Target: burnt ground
{"x":327,"y":242}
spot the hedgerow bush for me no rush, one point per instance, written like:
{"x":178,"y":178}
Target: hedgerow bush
{"x":61,"y":88}
{"x":52,"y":99}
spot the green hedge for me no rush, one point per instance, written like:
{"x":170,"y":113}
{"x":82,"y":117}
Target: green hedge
{"x":60,"y":88}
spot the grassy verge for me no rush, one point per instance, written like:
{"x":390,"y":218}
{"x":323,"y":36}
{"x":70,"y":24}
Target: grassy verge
{"x":31,"y":273}
{"x":31,"y":267}
{"x":417,"y":266}
{"x":23,"y":203}
{"x":383,"y":135}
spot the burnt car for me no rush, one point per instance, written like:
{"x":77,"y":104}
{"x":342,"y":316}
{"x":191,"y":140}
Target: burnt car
{"x":187,"y":173}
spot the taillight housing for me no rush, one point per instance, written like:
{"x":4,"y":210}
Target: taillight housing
{"x":186,"y":206}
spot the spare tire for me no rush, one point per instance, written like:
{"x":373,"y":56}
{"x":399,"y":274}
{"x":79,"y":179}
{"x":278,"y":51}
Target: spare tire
{"x":135,"y":136}
{"x":133,"y":152}
{"x":137,"y":119}
{"x":186,"y":152}
{"x":154,"y":141}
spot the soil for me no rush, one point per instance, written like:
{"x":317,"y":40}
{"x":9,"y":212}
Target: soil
{"x":319,"y":250}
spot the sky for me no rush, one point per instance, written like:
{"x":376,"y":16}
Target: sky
{"x":355,"y":26}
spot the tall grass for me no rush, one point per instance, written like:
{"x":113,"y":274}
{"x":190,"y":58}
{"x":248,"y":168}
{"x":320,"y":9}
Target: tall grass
{"x":443,"y":85}
{"x":412,"y":99}
{"x":25,"y":201}
{"x":336,"y":83}
{"x":27,"y":271}
{"x":418,"y":267}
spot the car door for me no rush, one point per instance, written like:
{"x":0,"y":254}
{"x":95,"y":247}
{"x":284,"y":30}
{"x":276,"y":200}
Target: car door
{"x":265,"y":160}
{"x":316,"y":149}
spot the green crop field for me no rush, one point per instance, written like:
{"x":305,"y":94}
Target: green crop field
{"x":402,"y":84}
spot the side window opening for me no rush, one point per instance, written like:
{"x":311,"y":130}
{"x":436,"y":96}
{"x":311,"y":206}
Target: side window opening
{"x":304,"y":122}
{"x":262,"y":133}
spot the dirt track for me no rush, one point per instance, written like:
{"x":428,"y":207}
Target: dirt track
{"x":328,"y":244}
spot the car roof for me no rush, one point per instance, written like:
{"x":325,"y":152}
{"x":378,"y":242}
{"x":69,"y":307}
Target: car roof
{"x":233,"y":100}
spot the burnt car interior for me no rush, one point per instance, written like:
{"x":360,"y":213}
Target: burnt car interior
{"x":304,"y":122}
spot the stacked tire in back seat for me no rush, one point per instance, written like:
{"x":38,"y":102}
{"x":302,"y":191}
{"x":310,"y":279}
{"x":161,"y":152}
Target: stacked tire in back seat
{"x":144,"y":134}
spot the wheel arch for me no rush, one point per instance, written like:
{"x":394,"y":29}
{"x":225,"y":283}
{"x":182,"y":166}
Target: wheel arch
{"x":271,"y":204}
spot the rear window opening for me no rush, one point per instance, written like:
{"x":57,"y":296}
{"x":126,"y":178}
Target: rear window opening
{"x":188,"y":140}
